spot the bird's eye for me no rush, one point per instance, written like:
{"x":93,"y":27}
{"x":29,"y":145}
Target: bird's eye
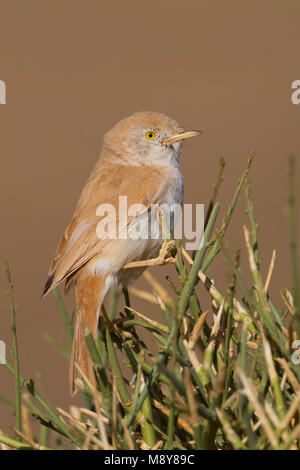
{"x":150,"y":135}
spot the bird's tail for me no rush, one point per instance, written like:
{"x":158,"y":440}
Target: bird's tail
{"x":89,"y":290}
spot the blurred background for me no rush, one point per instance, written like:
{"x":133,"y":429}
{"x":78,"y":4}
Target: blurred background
{"x":73,"y":69}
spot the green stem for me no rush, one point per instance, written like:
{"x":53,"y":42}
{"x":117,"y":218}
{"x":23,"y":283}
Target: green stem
{"x":217,"y":243}
{"x":114,"y":364}
{"x":193,"y":275}
{"x":13,"y":325}
{"x":147,"y":428}
{"x":62,"y":428}
{"x":64,"y":313}
{"x":293,"y":242}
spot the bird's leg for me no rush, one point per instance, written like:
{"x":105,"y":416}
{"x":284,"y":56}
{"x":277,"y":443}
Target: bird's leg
{"x":127,"y":302}
{"x":109,"y":324}
{"x":164,"y":257}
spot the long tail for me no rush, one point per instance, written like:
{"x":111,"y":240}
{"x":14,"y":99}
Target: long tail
{"x":89,"y":290}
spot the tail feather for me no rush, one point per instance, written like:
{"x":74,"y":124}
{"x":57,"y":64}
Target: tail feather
{"x":89,"y":290}
{"x":48,"y":284}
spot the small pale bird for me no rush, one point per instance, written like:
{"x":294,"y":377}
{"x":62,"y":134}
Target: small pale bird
{"x":139,"y":160}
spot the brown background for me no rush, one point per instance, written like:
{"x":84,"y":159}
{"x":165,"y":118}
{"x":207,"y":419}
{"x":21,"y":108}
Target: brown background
{"x":74,"y":68}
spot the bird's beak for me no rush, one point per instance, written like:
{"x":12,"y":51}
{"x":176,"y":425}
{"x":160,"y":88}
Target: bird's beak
{"x":181,"y":136}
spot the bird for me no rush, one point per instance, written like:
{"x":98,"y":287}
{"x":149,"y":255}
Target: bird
{"x":139,"y":160}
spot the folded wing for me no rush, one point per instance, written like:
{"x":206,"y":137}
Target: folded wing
{"x":80,"y":243}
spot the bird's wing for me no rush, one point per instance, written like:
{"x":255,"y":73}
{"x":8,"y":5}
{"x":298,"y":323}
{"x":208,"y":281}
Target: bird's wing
{"x":79,"y":243}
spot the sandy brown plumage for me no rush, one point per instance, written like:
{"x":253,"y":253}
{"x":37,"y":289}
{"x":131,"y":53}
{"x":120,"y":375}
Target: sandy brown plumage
{"x":143,"y":186}
{"x":129,"y":165}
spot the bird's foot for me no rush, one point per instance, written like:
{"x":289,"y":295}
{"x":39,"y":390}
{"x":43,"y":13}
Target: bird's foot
{"x":167,"y":255}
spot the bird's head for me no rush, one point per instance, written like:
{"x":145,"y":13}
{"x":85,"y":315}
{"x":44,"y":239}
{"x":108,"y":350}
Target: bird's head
{"x":146,"y":138}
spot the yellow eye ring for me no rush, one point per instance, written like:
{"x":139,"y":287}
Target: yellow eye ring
{"x":150,"y":135}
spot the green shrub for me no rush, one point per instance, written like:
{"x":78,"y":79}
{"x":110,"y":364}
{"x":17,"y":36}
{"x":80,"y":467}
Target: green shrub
{"x":220,"y":379}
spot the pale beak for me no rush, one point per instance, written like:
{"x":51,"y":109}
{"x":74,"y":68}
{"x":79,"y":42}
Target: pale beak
{"x":181,"y":136}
